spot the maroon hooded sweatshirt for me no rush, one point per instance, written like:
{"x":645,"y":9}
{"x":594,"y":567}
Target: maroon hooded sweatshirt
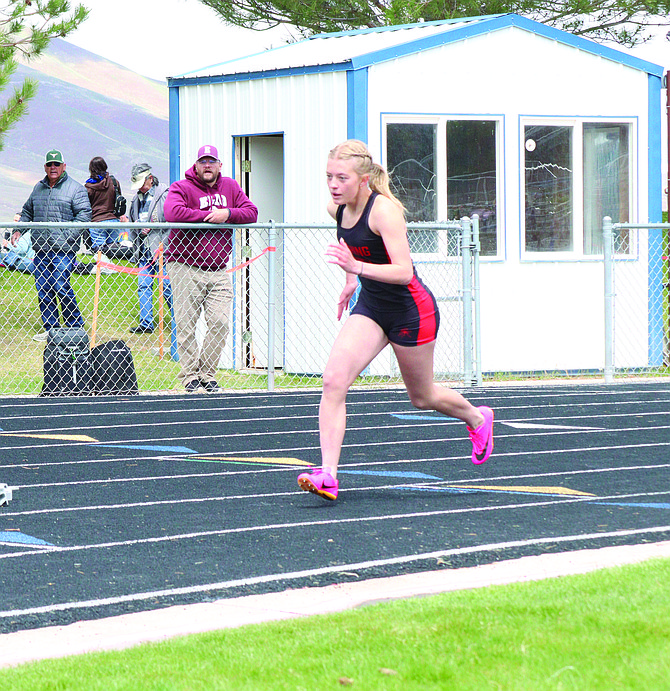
{"x":189,"y":201}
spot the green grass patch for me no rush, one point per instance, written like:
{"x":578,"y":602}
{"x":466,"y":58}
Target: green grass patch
{"x":601,"y":631}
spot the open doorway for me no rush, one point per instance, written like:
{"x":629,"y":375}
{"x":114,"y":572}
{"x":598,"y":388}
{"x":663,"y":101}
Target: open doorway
{"x":259,"y":169}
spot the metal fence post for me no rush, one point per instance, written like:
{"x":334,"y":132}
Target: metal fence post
{"x":466,"y":253}
{"x":272,"y":268}
{"x":477,"y":299}
{"x":608,"y":267}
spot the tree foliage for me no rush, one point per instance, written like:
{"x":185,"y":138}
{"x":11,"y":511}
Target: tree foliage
{"x":26,"y":27}
{"x":625,"y":21}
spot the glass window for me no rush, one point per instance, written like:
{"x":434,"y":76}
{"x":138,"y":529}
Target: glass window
{"x":471,"y":182}
{"x":549,"y":188}
{"x":471,"y":176}
{"x":411,"y":149}
{"x":606,"y":183}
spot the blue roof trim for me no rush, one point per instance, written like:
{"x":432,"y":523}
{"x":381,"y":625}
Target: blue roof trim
{"x":496,"y":23}
{"x":264,"y":74}
{"x":461,"y":29}
{"x":586,"y":45}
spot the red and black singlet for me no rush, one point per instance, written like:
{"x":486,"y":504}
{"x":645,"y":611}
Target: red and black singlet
{"x":408,"y":314}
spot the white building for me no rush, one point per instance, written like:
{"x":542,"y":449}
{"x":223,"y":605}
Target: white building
{"x":538,"y":131}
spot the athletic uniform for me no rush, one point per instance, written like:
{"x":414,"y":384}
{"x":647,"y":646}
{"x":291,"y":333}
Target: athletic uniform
{"x":407,"y":314}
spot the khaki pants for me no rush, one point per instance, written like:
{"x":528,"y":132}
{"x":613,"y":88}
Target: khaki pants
{"x":194,"y":290}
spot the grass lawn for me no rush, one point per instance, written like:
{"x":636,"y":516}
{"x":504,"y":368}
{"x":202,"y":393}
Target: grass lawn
{"x":601,"y":631}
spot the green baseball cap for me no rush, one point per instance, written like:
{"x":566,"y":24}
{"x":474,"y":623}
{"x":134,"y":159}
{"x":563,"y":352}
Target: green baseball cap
{"x":54,"y":156}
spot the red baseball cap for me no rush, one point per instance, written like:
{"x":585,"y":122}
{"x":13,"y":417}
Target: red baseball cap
{"x":207,"y":150}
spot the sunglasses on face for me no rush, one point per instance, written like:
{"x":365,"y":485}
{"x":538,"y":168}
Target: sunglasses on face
{"x":53,"y":164}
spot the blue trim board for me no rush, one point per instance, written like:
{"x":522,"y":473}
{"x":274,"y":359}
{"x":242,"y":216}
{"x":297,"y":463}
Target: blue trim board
{"x":357,"y":104}
{"x":654,"y":203}
{"x":263,"y":74}
{"x":173,"y":130}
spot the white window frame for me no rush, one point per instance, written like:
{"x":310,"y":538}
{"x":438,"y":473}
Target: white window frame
{"x":577,"y":125}
{"x":440,"y":120}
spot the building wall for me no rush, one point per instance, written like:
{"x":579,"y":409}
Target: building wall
{"x":541,"y":312}
{"x":310,"y":111}
{"x":538,"y":312}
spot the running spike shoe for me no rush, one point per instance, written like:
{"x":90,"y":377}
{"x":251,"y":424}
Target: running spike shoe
{"x":317,"y":481}
{"x":482,"y":437}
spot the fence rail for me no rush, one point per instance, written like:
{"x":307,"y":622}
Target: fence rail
{"x":283,"y":315}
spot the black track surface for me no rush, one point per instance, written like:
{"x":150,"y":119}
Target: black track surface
{"x":128,"y":504}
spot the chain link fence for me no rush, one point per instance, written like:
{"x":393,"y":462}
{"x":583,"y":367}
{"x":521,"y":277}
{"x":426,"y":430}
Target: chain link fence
{"x":637,"y":309}
{"x":283,"y":317}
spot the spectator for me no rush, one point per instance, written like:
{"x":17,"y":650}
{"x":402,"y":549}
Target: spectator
{"x":101,"y":188}
{"x":18,"y":252}
{"x":196,"y":263}
{"x":56,"y":198}
{"x":147,"y":207}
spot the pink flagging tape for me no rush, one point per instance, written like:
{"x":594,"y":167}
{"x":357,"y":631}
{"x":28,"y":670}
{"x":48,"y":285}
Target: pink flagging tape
{"x":241,"y":266}
{"x":138,"y":272}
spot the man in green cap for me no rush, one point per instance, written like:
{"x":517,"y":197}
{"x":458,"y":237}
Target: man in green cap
{"x":57,"y":197}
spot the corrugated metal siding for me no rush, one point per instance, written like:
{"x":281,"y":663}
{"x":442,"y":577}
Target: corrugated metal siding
{"x":309,"y":110}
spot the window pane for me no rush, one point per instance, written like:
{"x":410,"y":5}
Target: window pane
{"x":548,"y":166}
{"x":606,"y":183}
{"x":410,"y":153}
{"x":471,"y":176}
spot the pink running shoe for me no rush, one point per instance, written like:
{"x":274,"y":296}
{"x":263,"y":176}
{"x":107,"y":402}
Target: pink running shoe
{"x":482,"y":437}
{"x":319,"y":482}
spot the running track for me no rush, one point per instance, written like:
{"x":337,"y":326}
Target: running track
{"x":128,"y":504}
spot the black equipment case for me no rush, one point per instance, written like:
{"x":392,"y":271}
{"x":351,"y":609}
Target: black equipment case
{"x":67,"y":363}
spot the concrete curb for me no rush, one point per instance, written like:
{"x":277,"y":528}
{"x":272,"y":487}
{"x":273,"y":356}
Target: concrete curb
{"x":116,"y":633}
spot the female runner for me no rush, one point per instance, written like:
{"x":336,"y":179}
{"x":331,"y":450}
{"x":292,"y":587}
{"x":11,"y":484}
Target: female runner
{"x":394,"y":306}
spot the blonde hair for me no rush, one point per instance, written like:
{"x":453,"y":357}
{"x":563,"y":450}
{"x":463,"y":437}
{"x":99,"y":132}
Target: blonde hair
{"x":379,"y":181}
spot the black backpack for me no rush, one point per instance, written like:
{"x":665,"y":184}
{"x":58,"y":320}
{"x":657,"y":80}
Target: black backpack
{"x":119,"y":199}
{"x":113,"y":370}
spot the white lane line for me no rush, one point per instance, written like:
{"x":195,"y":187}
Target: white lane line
{"x":438,"y":484}
{"x":296,"y":575}
{"x":334,"y":522}
{"x":351,"y":430}
{"x":162,"y":423}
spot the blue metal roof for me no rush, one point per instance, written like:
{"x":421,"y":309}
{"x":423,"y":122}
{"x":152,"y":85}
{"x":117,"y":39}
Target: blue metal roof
{"x":357,"y":49}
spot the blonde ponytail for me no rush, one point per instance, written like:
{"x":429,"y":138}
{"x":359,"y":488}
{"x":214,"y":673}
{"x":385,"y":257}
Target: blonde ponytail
{"x":379,"y":181}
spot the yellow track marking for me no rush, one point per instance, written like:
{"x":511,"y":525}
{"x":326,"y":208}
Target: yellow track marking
{"x":539,"y":490}
{"x":65,"y":437}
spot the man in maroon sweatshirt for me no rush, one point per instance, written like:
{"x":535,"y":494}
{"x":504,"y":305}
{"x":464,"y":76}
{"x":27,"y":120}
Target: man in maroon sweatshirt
{"x":196,"y":263}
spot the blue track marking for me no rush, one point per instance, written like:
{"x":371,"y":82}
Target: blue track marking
{"x":148,"y":447}
{"x":642,"y":505}
{"x":21,"y":539}
{"x":390,"y":473}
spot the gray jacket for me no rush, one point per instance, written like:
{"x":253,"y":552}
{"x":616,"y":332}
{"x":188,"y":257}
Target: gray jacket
{"x":147,"y":245}
{"x":68,"y":201}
